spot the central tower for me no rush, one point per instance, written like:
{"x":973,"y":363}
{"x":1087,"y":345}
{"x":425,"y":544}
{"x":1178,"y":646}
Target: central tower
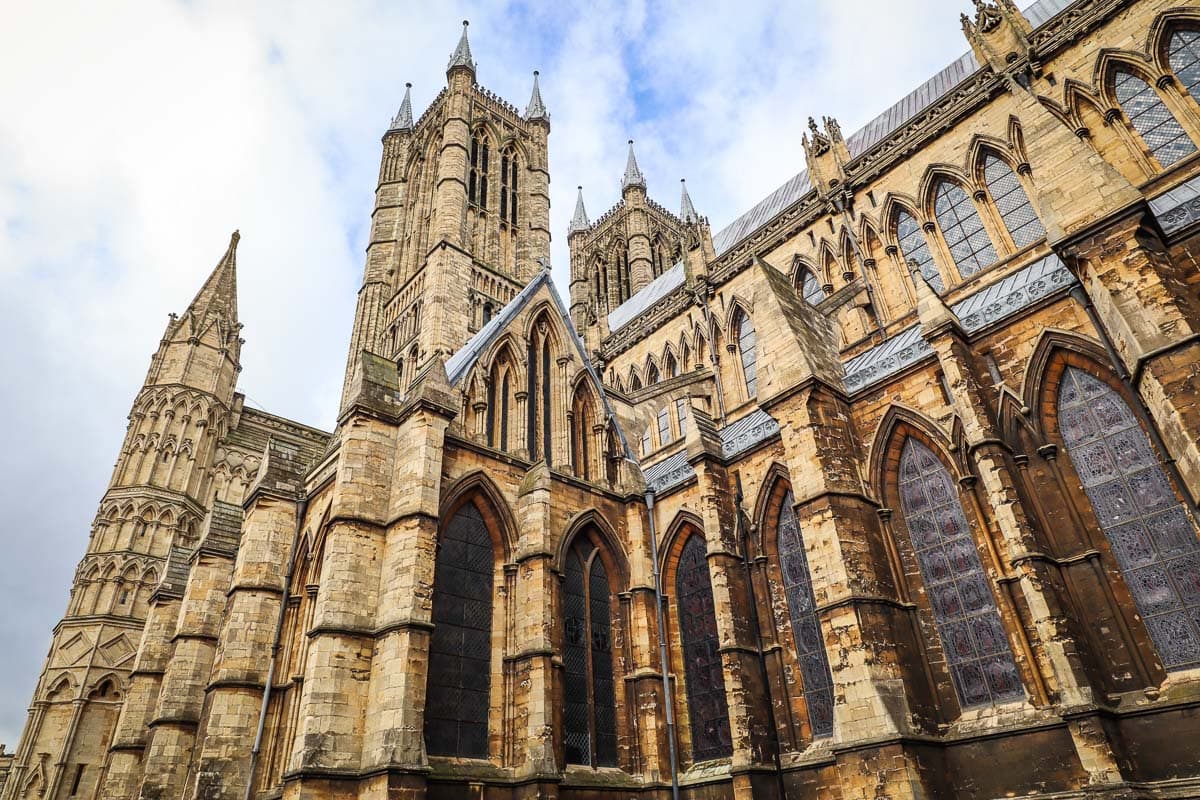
{"x":461,"y":220}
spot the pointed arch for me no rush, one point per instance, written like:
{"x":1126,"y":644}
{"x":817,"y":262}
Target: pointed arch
{"x":478,"y":488}
{"x":994,"y":169}
{"x":907,"y":234}
{"x":893,"y":420}
{"x":653,"y":376}
{"x":946,"y":193}
{"x":1127,"y":81}
{"x":63,"y":688}
{"x":584,"y":422}
{"x":1049,"y":343}
{"x":829,"y":264}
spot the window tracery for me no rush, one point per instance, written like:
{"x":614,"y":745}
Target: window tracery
{"x":589,"y":710}
{"x":708,"y":709}
{"x":810,"y":288}
{"x":1183,"y":53}
{"x":1150,"y":117}
{"x":914,"y":247}
{"x":1011,"y":201}
{"x":746,"y":347}
{"x":962,"y":229}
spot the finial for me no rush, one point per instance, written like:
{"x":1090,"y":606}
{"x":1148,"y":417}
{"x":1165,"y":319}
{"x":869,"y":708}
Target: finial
{"x":403,"y":121}
{"x":536,"y":108}
{"x":236,"y":237}
{"x":461,"y":57}
{"x":687,"y":211}
{"x":579,"y":222}
{"x":633,"y":176}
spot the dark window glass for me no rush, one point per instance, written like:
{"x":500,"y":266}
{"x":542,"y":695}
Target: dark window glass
{"x":652,"y":376}
{"x":531,"y":402}
{"x":456,"y":708}
{"x":806,"y":627}
{"x":707,"y":707}
{"x":964,"y":611}
{"x":504,"y":393}
{"x":969,"y":244}
{"x":1012,"y":202}
{"x":1158,"y":128}
{"x":913,"y":246}
{"x":589,"y":712}
{"x":1147,"y":527}
{"x":746,"y":343}
{"x":546,"y":417}
{"x":672,"y":366}
{"x":1184,"y":55}
{"x":810,"y":288}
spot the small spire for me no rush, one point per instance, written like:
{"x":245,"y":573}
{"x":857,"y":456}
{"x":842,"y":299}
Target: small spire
{"x":461,"y":57}
{"x":687,"y":211}
{"x":403,"y":120}
{"x":633,"y":176}
{"x":536,"y":108}
{"x":218,"y":295}
{"x":579,"y":222}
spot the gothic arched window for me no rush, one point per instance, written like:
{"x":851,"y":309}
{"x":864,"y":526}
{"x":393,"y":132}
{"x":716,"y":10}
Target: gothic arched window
{"x":681,"y":411}
{"x":964,"y":611}
{"x":746,"y":345}
{"x":914,"y":247}
{"x":477,"y":179}
{"x":1183,"y":53}
{"x":460,"y":669}
{"x":708,"y":709}
{"x":508,"y":187}
{"x":664,"y":426}
{"x":582,"y":419}
{"x":1153,"y":121}
{"x":810,"y":288}
{"x":962,"y":229}
{"x":670,"y":365}
{"x":590,"y":710}
{"x":1147,"y":527}
{"x":1012,"y":202}
{"x":806,"y":627}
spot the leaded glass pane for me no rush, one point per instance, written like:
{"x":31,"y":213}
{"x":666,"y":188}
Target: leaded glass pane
{"x":1159,"y":129}
{"x":806,"y":627}
{"x":963,"y":230}
{"x":681,"y":411}
{"x":1012,"y":202}
{"x":575,"y":657}
{"x":810,"y":288}
{"x":603,"y":690}
{"x":746,"y":343}
{"x":664,"y":426}
{"x":914,"y":247}
{"x":1148,"y":529}
{"x":456,"y":711}
{"x":964,"y":611}
{"x":707,"y":707}
{"x":1184,"y":55}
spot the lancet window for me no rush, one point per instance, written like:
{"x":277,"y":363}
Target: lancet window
{"x":456,"y":712}
{"x":1011,"y":201}
{"x":708,"y":710}
{"x":590,"y":708}
{"x":508,"y":187}
{"x":810,"y":288}
{"x":746,"y":347}
{"x":1148,"y":529}
{"x":962,"y":229}
{"x":477,"y":179}
{"x":968,"y":623}
{"x":1150,"y":117}
{"x":1183,"y":53}
{"x":914,"y":247}
{"x":806,"y":626}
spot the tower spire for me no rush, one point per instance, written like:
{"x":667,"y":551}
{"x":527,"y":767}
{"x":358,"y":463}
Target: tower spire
{"x":579,"y":222}
{"x":403,"y":121}
{"x":218,"y":296}
{"x":633,"y":176}
{"x":687,"y":211}
{"x":461,"y":57}
{"x":536,"y":108}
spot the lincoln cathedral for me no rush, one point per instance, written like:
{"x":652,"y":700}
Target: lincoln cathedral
{"x":885,"y":489}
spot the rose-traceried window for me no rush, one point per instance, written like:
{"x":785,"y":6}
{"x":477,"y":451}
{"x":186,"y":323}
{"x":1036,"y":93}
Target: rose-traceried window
{"x":806,"y":626}
{"x":1147,"y":527}
{"x":708,"y":710}
{"x":589,"y":713}
{"x":460,"y":646}
{"x":968,"y":623}
{"x":1151,"y":118}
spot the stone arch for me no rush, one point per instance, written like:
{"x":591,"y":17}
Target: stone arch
{"x":935,"y":174}
{"x":1158,"y":37}
{"x":604,"y":534}
{"x":1050,"y":342}
{"x":898,"y":415}
{"x":476,"y":487}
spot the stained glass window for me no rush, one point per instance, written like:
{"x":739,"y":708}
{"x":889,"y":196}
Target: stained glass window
{"x":707,"y":707}
{"x":1184,"y":55}
{"x":590,"y":710}
{"x":1158,"y":128}
{"x":810,"y":288}
{"x":456,"y":707}
{"x":914,"y":247}
{"x":1012,"y":202}
{"x":806,"y":627}
{"x":964,"y":611}
{"x":1147,"y":527}
{"x":746,"y":343}
{"x":969,"y":244}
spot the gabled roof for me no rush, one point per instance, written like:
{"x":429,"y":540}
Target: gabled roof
{"x":650,"y":294}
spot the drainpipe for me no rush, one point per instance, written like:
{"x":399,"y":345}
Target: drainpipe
{"x":301,"y":508}
{"x":744,"y":544}
{"x":662,"y":647}
{"x":1081,"y":296}
{"x":840,"y":204}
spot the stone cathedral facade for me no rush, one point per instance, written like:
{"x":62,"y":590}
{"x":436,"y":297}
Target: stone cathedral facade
{"x":886,"y":489}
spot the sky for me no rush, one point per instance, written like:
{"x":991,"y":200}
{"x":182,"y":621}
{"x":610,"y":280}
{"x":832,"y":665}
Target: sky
{"x":135,"y":137}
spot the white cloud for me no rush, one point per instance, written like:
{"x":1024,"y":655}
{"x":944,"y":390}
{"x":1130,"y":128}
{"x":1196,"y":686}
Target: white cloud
{"x":135,"y":136}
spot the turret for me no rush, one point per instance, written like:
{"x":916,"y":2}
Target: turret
{"x":633,"y":192}
{"x":827,"y":155}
